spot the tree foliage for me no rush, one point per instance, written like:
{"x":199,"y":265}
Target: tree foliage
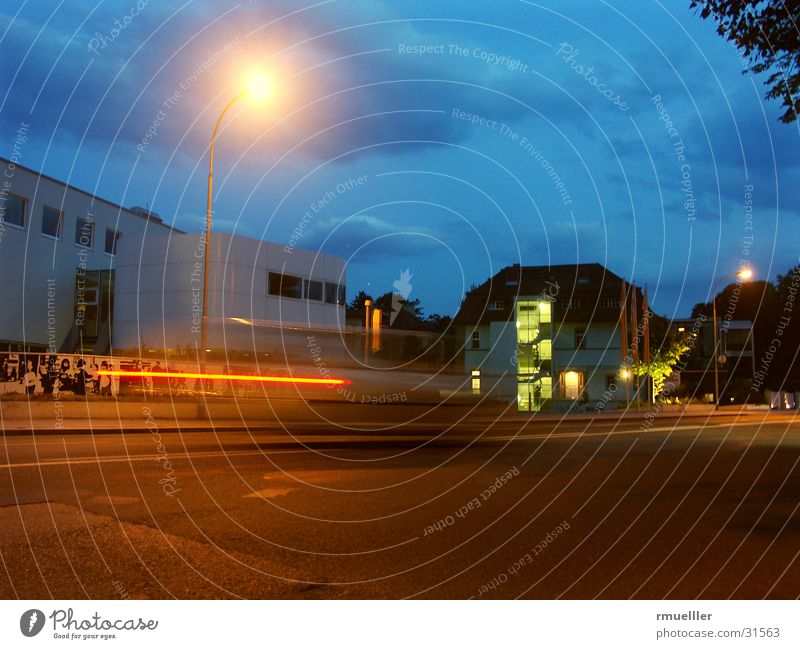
{"x":767,"y":33}
{"x":663,"y":362}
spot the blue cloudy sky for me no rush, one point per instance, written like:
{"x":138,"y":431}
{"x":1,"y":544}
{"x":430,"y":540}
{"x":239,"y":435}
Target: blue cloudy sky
{"x":484,"y":133}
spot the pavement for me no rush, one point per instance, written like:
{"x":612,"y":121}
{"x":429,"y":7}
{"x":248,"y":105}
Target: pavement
{"x":683,"y":508}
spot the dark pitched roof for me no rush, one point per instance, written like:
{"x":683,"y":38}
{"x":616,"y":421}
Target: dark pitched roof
{"x":581,"y":293}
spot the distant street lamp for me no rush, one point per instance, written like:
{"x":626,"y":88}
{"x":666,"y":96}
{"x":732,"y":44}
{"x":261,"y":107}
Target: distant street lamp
{"x":258,"y":90}
{"x":743,"y":274}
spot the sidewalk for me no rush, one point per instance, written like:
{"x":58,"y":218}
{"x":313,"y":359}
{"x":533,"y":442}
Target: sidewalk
{"x":165,"y":417}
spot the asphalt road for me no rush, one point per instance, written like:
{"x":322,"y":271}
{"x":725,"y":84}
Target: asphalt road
{"x":573,"y":509}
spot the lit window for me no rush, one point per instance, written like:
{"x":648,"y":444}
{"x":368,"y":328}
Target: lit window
{"x":84,"y":232}
{"x":571,"y":381}
{"x":112,"y":237}
{"x":476,"y":381}
{"x":52,"y":221}
{"x":12,"y":209}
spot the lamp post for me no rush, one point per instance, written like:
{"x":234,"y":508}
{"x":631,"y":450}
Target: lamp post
{"x":257,"y":89}
{"x":743,"y":274}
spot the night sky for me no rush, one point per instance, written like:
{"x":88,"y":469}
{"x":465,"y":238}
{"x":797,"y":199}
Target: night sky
{"x":447,"y":138}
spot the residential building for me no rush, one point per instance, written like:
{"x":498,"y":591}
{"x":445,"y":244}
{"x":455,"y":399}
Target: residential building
{"x":546,"y":336}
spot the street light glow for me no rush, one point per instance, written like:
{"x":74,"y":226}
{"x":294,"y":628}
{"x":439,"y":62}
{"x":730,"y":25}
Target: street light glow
{"x":745,"y":273}
{"x":258,"y":87}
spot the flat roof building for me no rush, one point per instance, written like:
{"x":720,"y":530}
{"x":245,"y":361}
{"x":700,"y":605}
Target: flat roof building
{"x":83,"y":274}
{"x":58,"y":250}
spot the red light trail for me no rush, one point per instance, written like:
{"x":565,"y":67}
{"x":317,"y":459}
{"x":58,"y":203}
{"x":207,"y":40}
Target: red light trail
{"x":227,"y":377}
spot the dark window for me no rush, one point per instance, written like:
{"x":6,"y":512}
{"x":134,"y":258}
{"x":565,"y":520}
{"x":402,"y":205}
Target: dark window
{"x":609,"y":303}
{"x":313,"y":290}
{"x":84,"y":232}
{"x":580,"y":338}
{"x":574,"y":304}
{"x":285,"y":285}
{"x":334,"y":294}
{"x":52,"y":221}
{"x":112,"y":237}
{"x":476,"y":340}
{"x":13,"y":210}
{"x":496,"y":305}
{"x":341,"y":295}
{"x":611,"y":382}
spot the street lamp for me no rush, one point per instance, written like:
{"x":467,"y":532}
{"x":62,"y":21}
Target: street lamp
{"x":258,"y":89}
{"x":743,"y":274}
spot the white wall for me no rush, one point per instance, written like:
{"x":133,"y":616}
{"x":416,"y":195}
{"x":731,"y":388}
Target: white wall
{"x":29,"y":259}
{"x":159,"y":292}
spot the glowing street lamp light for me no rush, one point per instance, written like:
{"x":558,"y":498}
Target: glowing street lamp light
{"x":257,"y":90}
{"x":743,"y":274}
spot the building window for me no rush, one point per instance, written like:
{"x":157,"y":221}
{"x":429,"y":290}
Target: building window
{"x":496,"y":305}
{"x":611,"y":383}
{"x":583,"y":281}
{"x":571,"y":384}
{"x":285,"y":285}
{"x":52,"y":222}
{"x":334,"y":293}
{"x":13,"y":210}
{"x":574,"y":304}
{"x":112,"y":237}
{"x":313,"y":290}
{"x":609,"y":303}
{"x":476,"y":340}
{"x":476,"y":381}
{"x":84,"y":232}
{"x":580,"y":338}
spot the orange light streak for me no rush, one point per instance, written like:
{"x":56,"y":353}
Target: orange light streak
{"x":227,"y":377}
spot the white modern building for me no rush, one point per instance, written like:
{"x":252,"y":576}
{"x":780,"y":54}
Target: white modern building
{"x":259,"y":292}
{"x":58,"y":249}
{"x":83,"y":274}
